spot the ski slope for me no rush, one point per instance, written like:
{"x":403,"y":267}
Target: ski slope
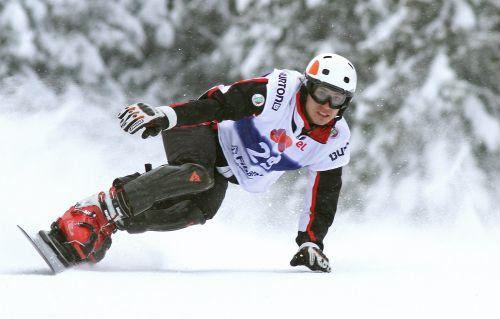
{"x":235,"y":266}
{"x":229,"y":271}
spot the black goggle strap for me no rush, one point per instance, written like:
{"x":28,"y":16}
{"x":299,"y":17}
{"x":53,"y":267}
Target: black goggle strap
{"x":310,"y":83}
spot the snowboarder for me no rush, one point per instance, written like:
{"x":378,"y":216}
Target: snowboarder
{"x":248,"y":133}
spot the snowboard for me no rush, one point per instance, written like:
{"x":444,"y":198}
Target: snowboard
{"x":42,"y":243}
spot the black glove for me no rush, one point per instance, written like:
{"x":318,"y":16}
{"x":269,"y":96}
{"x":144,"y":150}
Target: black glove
{"x":311,"y":256}
{"x":137,"y":116}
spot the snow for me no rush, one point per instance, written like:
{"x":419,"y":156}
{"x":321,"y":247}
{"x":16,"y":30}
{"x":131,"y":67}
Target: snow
{"x":379,"y":271}
{"x":15,"y":21}
{"x":235,"y":266}
{"x":464,"y":17}
{"x":242,"y":5}
{"x":485,"y":127}
{"x":439,"y":73}
{"x":165,"y":35}
{"x":384,"y":29}
{"x":418,"y":230}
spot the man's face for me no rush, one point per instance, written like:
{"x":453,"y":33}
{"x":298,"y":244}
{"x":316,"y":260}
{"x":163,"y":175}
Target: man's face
{"x":319,"y":114}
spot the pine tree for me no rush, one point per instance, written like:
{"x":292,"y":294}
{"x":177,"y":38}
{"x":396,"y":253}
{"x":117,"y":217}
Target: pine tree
{"x":425,"y":119}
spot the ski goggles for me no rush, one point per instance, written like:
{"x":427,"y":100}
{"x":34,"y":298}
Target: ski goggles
{"x":335,"y":97}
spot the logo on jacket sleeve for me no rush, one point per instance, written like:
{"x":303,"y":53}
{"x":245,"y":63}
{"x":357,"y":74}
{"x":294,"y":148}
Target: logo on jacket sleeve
{"x":338,"y":153}
{"x":279,"y":136}
{"x":280,"y":92}
{"x":258,"y":100}
{"x":334,"y":133}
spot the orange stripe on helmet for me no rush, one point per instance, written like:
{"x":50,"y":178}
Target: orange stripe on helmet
{"x":314,"y":68}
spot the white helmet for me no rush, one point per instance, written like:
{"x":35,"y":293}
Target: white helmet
{"x":333,"y":71}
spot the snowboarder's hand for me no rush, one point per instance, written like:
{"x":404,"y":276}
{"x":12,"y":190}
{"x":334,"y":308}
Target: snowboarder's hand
{"x":137,"y":116}
{"x":311,"y":256}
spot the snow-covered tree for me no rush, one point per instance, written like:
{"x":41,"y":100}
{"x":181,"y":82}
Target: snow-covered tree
{"x":426,"y":128}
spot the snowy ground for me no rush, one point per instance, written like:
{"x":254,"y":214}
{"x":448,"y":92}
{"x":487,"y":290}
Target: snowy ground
{"x":228,"y":271}
{"x":232,"y":267}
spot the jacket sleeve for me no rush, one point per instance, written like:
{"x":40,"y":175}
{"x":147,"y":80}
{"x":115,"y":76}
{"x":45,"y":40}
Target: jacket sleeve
{"x":220,"y":103}
{"x":320,"y":207}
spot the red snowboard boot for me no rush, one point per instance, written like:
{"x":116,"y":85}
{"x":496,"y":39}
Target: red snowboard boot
{"x":83,"y":232}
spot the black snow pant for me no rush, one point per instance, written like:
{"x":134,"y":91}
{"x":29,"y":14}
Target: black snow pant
{"x":198,"y":145}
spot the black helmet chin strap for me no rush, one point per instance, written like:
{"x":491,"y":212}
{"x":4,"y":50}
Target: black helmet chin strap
{"x":339,"y":115}
{"x":344,"y":107}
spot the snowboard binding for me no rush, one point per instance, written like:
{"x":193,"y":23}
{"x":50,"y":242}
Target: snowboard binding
{"x":158,"y":200}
